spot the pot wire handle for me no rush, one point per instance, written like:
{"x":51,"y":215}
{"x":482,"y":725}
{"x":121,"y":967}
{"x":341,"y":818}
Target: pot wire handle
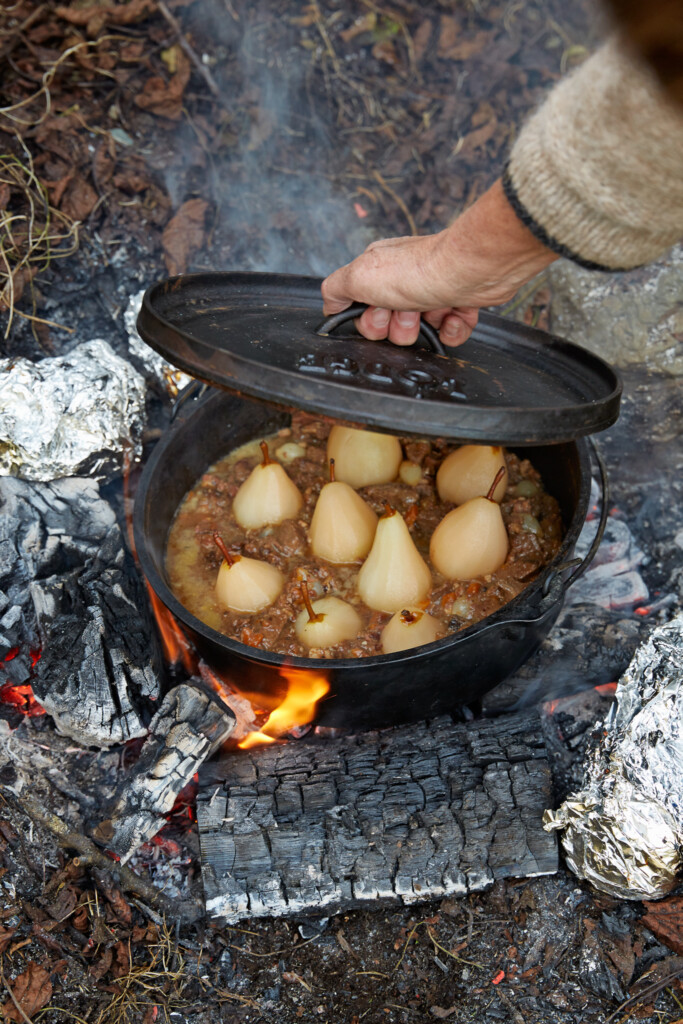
{"x":337,"y":319}
{"x":193,"y":390}
{"x":583,"y":563}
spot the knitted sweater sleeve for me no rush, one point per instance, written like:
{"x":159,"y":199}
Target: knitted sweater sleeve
{"x":597,"y":172}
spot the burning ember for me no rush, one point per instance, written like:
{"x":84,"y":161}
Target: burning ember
{"x":20,"y":697}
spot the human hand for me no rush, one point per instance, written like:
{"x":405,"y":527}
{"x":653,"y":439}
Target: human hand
{"x":482,"y":259}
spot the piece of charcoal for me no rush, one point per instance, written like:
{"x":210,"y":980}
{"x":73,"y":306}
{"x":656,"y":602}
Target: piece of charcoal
{"x":186,"y":730}
{"x":45,"y":529}
{"x":100,"y":665}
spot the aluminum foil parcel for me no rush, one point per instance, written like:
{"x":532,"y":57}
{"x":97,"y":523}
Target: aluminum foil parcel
{"x":69,"y":415}
{"x":624,"y":830}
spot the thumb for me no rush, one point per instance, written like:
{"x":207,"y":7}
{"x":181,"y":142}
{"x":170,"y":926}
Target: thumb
{"x":334,"y":293}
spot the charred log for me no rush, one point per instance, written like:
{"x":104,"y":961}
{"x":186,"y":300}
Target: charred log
{"x":398,"y":816}
{"x":186,"y":730}
{"x":100,"y":666}
{"x":44,"y":529}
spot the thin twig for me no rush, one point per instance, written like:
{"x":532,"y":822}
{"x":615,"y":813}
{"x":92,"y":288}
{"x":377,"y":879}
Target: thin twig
{"x":470,"y":963}
{"x":190,"y":53}
{"x":397,"y":199}
{"x":41,"y":320}
{"x":186,"y":910}
{"x":12,"y":996}
{"x":656,"y":986}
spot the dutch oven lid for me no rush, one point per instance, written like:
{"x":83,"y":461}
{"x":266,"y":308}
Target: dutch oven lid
{"x":256,"y":334}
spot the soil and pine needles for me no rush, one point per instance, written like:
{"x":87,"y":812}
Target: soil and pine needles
{"x":140,"y":138}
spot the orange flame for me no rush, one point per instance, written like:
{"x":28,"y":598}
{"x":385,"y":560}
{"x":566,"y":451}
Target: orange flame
{"x":304,"y":691}
{"x":176,"y":646}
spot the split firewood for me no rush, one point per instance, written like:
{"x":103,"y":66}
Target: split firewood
{"x":187,"y":729}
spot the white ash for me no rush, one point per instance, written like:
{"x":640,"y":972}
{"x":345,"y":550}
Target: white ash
{"x":44,"y":529}
{"x":69,"y":415}
{"x":613,"y":580}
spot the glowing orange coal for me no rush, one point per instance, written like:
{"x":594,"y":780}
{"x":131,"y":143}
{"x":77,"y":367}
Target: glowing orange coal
{"x":20,"y":696}
{"x":304,"y":691}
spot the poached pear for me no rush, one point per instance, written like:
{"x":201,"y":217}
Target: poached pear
{"x":411,"y":627}
{"x":267,"y":496}
{"x":343,"y":525}
{"x":246,"y":585}
{"x":468,"y":471}
{"x":363,"y":457}
{"x":471,"y":540}
{"x":394,"y":574}
{"x":326,"y":622}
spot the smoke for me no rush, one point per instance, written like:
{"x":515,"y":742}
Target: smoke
{"x":271,"y":171}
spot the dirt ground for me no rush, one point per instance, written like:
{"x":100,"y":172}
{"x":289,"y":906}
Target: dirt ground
{"x":140,"y":139}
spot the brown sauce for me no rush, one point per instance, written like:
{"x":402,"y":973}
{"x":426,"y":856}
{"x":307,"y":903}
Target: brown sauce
{"x":531,"y":516}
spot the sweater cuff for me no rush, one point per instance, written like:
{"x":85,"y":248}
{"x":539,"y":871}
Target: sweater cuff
{"x":596,"y":172}
{"x":539,"y":232}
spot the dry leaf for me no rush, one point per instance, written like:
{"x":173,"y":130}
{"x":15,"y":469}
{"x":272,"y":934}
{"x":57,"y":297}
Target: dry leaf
{"x":79,"y":199}
{"x":183,"y":235}
{"x":452,"y":46}
{"x":484,"y":125}
{"x":104,"y":161}
{"x":364,"y":23}
{"x":121,"y":965}
{"x":421,"y":40}
{"x":32,"y":990}
{"x":165,"y":99}
{"x":20,"y":278}
{"x":97,"y":14}
{"x":5,"y":936}
{"x":665,"y":921}
{"x":385,"y":51}
{"x":98,"y":970}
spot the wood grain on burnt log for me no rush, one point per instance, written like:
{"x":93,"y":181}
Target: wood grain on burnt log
{"x":100,"y":663}
{"x":398,"y":816}
{"x":186,"y":730}
{"x":45,"y":529}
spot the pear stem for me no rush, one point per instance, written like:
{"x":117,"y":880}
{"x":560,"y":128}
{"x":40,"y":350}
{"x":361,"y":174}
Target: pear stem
{"x":312,"y":617}
{"x":220,"y":544}
{"x":409,"y":617}
{"x":331,"y":471}
{"x":266,"y":456}
{"x":499,"y":476}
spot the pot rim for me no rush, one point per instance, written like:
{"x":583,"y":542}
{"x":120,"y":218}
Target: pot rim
{"x":509,"y":614}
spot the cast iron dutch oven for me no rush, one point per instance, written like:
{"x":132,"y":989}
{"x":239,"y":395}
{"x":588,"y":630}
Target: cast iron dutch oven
{"x":259,"y":337}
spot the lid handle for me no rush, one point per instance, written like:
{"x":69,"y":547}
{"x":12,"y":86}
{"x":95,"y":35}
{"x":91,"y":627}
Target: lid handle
{"x":426,"y":330}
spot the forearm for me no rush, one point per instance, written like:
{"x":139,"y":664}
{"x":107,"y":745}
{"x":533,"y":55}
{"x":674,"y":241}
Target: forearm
{"x":489,"y":249}
{"x":597,"y":172}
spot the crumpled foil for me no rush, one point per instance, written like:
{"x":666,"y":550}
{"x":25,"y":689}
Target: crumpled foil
{"x":623,"y":831}
{"x":168,"y":376}
{"x":69,"y":415}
